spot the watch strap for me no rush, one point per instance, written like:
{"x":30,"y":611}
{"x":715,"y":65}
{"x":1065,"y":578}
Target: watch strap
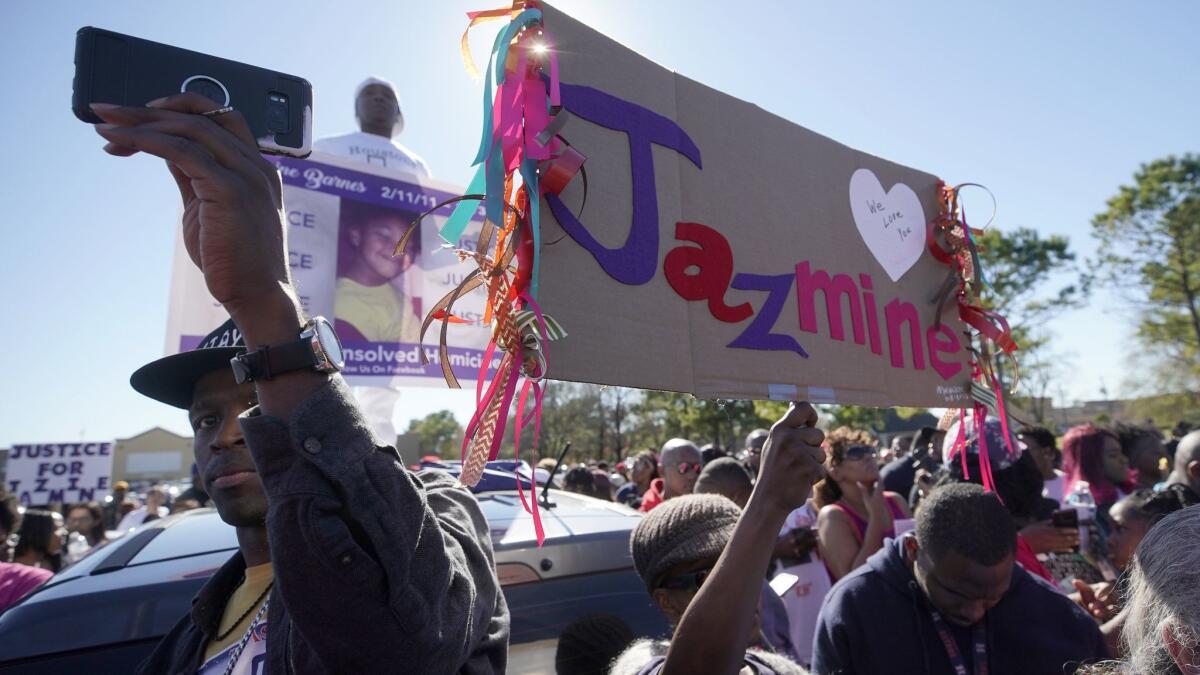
{"x":270,"y":360}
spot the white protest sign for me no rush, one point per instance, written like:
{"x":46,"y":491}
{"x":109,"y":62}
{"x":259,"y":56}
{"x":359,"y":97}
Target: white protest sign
{"x":344,"y":219}
{"x":68,"y":473}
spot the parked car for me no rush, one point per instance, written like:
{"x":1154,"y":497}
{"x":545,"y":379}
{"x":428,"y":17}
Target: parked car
{"x":105,"y":613}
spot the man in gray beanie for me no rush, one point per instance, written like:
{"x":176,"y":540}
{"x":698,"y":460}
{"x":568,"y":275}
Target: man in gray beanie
{"x":703,"y":560}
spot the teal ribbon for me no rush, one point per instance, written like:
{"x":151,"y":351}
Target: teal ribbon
{"x":460,"y":217}
{"x":495,"y":70}
{"x":489,"y":152}
{"x":494,"y":174}
{"x":488,"y":75}
{"x":523,"y":19}
{"x":489,"y":178}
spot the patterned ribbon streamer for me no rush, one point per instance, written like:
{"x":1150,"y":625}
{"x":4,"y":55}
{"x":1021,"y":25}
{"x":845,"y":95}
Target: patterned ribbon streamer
{"x":952,"y":242}
{"x":521,"y":156}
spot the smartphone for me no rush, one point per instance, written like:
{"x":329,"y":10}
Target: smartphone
{"x":125,"y":70}
{"x":1065,"y":518}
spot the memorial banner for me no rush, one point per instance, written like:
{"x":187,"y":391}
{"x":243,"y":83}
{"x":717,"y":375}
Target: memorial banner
{"x":727,"y":252}
{"x":344,"y":220}
{"x":66,"y":473}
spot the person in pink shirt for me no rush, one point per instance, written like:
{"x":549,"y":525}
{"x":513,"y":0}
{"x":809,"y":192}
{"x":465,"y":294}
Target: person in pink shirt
{"x":16,"y":580}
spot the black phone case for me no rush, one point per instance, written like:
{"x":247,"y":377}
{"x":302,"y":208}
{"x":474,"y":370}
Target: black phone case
{"x":125,"y":70}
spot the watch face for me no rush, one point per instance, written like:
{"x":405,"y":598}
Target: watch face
{"x":330,"y":343}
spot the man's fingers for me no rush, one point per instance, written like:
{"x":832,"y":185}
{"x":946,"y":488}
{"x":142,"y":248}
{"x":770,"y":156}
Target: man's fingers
{"x":233,"y":122}
{"x":186,"y":193}
{"x":1085,"y":591}
{"x":118,"y":151}
{"x":1071,"y":537}
{"x":230,"y":128}
{"x":807,"y":441}
{"x":195,"y":104}
{"x":809,"y":436}
{"x":191,"y":158}
{"x":219,"y":143}
{"x":799,"y":414}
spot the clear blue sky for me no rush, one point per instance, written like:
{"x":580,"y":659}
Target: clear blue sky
{"x":1051,"y":105}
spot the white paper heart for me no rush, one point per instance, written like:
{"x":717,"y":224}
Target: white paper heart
{"x":891,"y":223}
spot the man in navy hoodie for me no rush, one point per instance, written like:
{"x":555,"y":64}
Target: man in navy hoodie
{"x":952,"y":600}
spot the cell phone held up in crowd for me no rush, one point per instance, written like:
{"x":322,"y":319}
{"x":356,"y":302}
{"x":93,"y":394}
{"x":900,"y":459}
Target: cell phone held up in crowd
{"x":125,"y":70}
{"x":1065,"y":518}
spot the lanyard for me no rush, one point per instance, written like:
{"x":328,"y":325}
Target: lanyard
{"x":978,"y":639}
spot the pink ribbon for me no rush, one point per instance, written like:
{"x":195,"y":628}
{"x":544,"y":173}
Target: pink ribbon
{"x":960,"y":442}
{"x":519,"y":424}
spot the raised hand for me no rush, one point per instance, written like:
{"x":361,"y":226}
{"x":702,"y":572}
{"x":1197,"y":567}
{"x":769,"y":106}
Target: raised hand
{"x":792,"y":457}
{"x":1044,"y":537}
{"x":1102,"y":604}
{"x":876,"y":501}
{"x":233,"y":224}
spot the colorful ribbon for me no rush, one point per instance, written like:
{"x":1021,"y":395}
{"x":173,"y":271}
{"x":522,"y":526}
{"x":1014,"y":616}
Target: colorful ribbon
{"x":952,"y":242}
{"x":521,"y":156}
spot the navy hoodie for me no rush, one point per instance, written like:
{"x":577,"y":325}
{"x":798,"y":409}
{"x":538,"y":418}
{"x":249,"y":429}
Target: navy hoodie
{"x":877,"y":620}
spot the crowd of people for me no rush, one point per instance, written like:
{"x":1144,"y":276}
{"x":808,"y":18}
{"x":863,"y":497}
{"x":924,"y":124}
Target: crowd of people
{"x":901,"y":556}
{"x":1053,"y":568}
{"x":36,"y":543}
{"x":961,"y":550}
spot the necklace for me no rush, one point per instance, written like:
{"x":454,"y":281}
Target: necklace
{"x":241,"y":645}
{"x":246,"y":613}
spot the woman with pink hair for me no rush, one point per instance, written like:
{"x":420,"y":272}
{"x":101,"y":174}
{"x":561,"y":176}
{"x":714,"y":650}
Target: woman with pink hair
{"x":1094,"y":455}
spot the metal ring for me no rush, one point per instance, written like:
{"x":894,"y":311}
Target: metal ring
{"x":224,"y":90}
{"x":218,"y":112}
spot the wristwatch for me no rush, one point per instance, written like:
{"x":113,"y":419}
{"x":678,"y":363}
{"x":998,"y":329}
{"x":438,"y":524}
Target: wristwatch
{"x":317,"y":348}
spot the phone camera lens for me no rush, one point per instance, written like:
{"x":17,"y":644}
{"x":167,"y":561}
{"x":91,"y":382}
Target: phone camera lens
{"x":278,"y":117}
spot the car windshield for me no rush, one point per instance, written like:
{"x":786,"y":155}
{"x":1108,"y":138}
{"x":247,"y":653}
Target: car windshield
{"x":200,"y":531}
{"x":571,"y":515}
{"x":192,"y":533}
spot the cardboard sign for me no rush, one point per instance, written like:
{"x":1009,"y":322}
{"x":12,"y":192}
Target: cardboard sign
{"x":67,"y":473}
{"x":344,"y":220}
{"x":727,"y":252}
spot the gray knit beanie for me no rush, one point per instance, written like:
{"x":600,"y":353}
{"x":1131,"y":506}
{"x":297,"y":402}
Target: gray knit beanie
{"x":683,"y":529}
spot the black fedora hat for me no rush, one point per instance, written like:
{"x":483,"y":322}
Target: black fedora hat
{"x":171,"y":379}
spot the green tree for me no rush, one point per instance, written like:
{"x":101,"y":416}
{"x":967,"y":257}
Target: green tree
{"x":1164,"y":410}
{"x":436,"y":432}
{"x":1149,"y":242}
{"x":661,"y":415}
{"x":875,"y":420}
{"x":855,"y":417}
{"x":1020,"y":267}
{"x":571,"y":413}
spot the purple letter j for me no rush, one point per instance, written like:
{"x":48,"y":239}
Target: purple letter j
{"x":636,"y":261}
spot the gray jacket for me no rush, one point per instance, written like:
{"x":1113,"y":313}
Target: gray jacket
{"x":377,"y":569}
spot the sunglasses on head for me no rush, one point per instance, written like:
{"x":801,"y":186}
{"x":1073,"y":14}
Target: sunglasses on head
{"x":688,"y":581}
{"x":684,"y":467}
{"x":859,"y":452}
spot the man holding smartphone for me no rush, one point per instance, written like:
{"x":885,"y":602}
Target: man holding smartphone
{"x":355,"y":563}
